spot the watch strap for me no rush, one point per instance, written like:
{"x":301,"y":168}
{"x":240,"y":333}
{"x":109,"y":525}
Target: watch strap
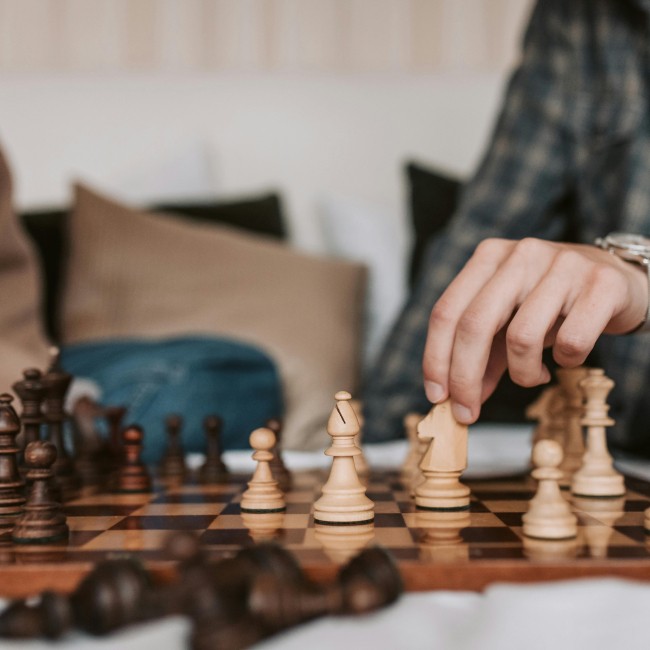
{"x":644,"y":326}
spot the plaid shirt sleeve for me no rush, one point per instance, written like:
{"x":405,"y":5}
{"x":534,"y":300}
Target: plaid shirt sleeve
{"x":526,"y":169}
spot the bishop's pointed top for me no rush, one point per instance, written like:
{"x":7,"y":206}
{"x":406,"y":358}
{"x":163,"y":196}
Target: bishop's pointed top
{"x":343,"y":420}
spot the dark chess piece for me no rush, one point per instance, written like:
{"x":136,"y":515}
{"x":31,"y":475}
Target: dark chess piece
{"x":132,"y":476}
{"x":91,"y":449}
{"x":50,"y":617}
{"x":280,"y":473}
{"x":57,"y":382}
{"x":213,"y":469}
{"x":115,"y":594}
{"x":31,"y":392}
{"x":114,"y":416}
{"x":11,"y":483}
{"x":172,"y":465}
{"x":42,"y":521}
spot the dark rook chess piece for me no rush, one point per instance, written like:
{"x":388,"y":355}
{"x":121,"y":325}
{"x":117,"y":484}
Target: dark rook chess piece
{"x":31,"y":392}
{"x":42,"y":521}
{"x":57,"y":382}
{"x":280,"y":473}
{"x":11,"y":484}
{"x":172,"y":465}
{"x":132,"y":475}
{"x":214,"y":469}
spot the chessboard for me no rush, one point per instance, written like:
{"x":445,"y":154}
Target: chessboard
{"x":463,"y":550}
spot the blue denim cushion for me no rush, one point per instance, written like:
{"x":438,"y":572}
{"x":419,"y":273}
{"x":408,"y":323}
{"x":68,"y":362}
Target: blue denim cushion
{"x":191,"y":376}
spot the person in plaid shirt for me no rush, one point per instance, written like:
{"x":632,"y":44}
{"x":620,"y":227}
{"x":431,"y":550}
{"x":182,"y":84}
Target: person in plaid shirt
{"x":494,"y":287}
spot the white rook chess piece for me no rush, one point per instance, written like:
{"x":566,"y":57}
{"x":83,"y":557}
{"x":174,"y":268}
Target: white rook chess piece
{"x":263,"y":494}
{"x":344,"y":499}
{"x":549,"y":515}
{"x":443,"y":462}
{"x":597,"y":477}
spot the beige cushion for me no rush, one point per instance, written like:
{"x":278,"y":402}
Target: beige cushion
{"x":131,"y":273}
{"x":22,"y":341}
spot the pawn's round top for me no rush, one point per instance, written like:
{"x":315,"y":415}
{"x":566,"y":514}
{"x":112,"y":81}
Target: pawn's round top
{"x":547,"y":453}
{"x":6,"y":399}
{"x":40,"y":454}
{"x":342,"y":395}
{"x":174,"y":421}
{"x":133,"y":434}
{"x":32,"y":374}
{"x":212,"y":422}
{"x":262,"y":439}
{"x":182,"y":546}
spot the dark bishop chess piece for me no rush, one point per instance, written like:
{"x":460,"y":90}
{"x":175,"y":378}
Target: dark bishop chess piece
{"x":213,"y":469}
{"x":31,"y":392}
{"x":280,"y":473}
{"x":42,"y":521}
{"x":11,"y":484}
{"x":172,"y":465}
{"x":132,"y":476}
{"x":57,"y":382}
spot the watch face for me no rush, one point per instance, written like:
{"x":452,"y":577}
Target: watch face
{"x":635,"y":245}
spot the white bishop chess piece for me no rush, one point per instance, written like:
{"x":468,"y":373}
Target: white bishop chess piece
{"x":443,"y":462}
{"x":263,"y":494}
{"x":344,"y":499}
{"x":597,"y":477}
{"x":549,"y":515}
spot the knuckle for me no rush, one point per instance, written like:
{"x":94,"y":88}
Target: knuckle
{"x":571,"y":346}
{"x":441,"y":314}
{"x":520,"y":341}
{"x":570,"y":259}
{"x":461,"y":384}
{"x":471,"y":323}
{"x":607,"y":278}
{"x":530,"y":247}
{"x":490,"y":247}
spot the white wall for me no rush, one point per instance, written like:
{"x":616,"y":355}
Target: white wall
{"x":151,"y":134}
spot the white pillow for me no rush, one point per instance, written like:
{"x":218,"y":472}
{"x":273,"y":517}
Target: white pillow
{"x":359,"y":231}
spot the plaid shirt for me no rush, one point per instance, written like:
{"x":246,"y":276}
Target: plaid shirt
{"x":575,"y":122}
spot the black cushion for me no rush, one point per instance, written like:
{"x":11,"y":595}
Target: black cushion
{"x":433,"y":196}
{"x":47,"y":228}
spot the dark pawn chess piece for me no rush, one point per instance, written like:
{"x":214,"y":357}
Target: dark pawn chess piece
{"x":280,"y":473}
{"x":213,"y":469}
{"x":42,"y":521}
{"x":57,"y":382}
{"x":172,"y":465}
{"x":48,"y":618}
{"x":132,"y":475}
{"x":31,"y":392}
{"x":114,"y":416}
{"x":89,"y":445}
{"x":11,"y":483}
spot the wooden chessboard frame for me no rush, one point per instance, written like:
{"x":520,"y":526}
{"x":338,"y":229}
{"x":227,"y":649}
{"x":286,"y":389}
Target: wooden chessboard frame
{"x":459,"y":551}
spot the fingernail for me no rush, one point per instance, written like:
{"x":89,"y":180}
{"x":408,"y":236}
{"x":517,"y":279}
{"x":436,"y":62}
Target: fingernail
{"x":435,"y":392}
{"x":461,"y":413}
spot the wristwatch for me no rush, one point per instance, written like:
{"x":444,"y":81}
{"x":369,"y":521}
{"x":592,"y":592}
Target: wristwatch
{"x":634,"y":249}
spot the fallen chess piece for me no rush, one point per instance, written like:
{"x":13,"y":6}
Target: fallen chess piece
{"x":232,"y":603}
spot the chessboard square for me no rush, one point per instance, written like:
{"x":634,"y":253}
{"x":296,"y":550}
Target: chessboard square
{"x":515,"y":552}
{"x":510,"y":518}
{"x":152,"y":509}
{"x":300,"y":496}
{"x":291,"y":537}
{"x":488,"y":535}
{"x":389,"y":520}
{"x":232,"y":509}
{"x":105,"y":510}
{"x":228,"y":522}
{"x":295,"y":520}
{"x":225,"y":537}
{"x":506,"y":506}
{"x":393,"y":537}
{"x":636,"y":505}
{"x":386,"y":507}
{"x":92,"y":523}
{"x":635,"y":533}
{"x":627,"y":552}
{"x":299,"y":508}
{"x":165,"y":522}
{"x":503,"y":495}
{"x":193,"y":497}
{"x":129,"y":540}
{"x":217,"y":488}
{"x":82,"y":537}
{"x":107,"y":498}
{"x":477,"y":506}
{"x":379,"y":495}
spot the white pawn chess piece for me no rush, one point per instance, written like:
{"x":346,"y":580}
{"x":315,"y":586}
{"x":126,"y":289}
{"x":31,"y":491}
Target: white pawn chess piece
{"x":549,"y":515}
{"x":597,"y":477}
{"x":263,"y":494}
{"x":344,"y":499}
{"x":443,"y":462}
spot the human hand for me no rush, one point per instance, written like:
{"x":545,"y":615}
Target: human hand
{"x":514,"y":298}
